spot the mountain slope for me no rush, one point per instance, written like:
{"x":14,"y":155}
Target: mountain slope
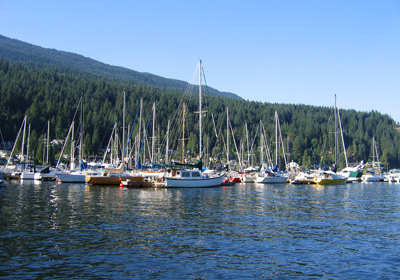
{"x":18,"y":51}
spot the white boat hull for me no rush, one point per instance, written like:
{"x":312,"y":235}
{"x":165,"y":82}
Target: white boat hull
{"x":27,"y":176}
{"x":272,"y":180}
{"x":249,"y":178}
{"x":372,"y":178}
{"x":202,"y":182}
{"x":76,"y":177}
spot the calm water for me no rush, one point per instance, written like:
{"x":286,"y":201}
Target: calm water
{"x":64,"y":231}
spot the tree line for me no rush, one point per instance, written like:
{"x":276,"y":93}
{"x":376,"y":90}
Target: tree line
{"x":45,"y":94}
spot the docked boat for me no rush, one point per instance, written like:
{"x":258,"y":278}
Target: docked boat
{"x":393,"y":176}
{"x":192,"y":178}
{"x":372,"y":177}
{"x":105,"y":178}
{"x":268,"y":177}
{"x":14,"y":175}
{"x":324,"y":177}
{"x":75,"y":176}
{"x":233,"y":177}
{"x":137,"y":182}
{"x":186,"y":178}
{"x":28,"y":174}
{"x":47,"y":173}
{"x":249,"y":177}
{"x":353,"y":173}
{"x":329,"y":178}
{"x":375,"y":174}
{"x":11,"y":172}
{"x":226,"y":182}
{"x":304,"y":177}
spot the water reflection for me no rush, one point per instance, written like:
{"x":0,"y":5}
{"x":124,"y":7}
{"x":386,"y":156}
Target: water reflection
{"x":245,"y":231}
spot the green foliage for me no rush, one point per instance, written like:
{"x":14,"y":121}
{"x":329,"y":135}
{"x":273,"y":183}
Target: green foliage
{"x":53,"y":93}
{"x":65,"y":62}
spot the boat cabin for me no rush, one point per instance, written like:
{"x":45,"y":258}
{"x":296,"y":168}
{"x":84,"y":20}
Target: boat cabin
{"x":188,"y":173}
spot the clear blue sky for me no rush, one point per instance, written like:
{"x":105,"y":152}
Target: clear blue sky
{"x":280,"y":51}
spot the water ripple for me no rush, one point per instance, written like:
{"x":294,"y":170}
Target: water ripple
{"x":51,"y":231}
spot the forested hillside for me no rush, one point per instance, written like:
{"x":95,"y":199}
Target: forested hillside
{"x":45,"y":94}
{"x":17,"y":51}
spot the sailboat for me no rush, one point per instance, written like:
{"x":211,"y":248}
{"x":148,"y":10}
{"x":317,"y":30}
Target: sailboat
{"x":331,"y":177}
{"x":74,"y":175}
{"x":249,"y":174}
{"x":194,"y":178}
{"x":375,"y":175}
{"x":268,"y":175}
{"x":111,"y":175}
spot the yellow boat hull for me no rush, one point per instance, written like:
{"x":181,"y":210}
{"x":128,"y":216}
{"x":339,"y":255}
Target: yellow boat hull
{"x":330,"y":181}
{"x":110,"y":179}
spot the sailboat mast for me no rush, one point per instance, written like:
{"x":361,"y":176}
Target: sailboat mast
{"x":16,"y":140}
{"x":140,"y":130}
{"x":48,"y":138}
{"x":200,"y":113}
{"x":341,"y":132}
{"x":153,"y":158}
{"x":276,"y":138}
{"x":248,"y":152}
{"x":336,"y":137}
{"x":23,"y":141}
{"x":81,"y":138}
{"x":377,"y":156}
{"x":72,"y":157}
{"x":123,"y":129}
{"x":261,"y":143}
{"x":183,"y":134}
{"x":227,"y":135}
{"x":27,"y":142}
{"x":167,"y":144}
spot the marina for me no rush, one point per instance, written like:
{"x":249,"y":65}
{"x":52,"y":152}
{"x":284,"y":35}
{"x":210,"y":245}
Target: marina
{"x":246,"y":231}
{"x":118,"y":174}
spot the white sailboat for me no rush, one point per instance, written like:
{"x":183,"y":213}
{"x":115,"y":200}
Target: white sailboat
{"x":331,"y":177}
{"x":375,"y":175}
{"x":73,"y":175}
{"x":194,"y":178}
{"x":266,"y":175}
{"x":249,"y":174}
